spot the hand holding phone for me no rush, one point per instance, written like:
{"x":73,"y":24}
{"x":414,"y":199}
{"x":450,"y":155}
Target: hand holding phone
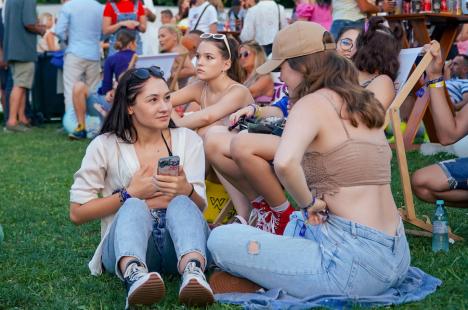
{"x":168,"y":182}
{"x":169,"y":165}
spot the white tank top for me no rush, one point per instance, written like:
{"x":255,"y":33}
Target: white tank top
{"x":347,"y":10}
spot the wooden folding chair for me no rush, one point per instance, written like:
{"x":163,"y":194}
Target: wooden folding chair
{"x":133,"y":61}
{"x":174,"y":85}
{"x":408,"y":212}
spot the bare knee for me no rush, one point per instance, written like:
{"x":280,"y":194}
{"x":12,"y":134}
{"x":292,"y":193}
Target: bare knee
{"x":424,"y":182}
{"x":80,"y":88}
{"x":212,"y":143}
{"x":240,"y":148}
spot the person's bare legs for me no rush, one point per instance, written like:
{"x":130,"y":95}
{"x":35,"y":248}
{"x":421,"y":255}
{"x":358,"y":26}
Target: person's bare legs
{"x":22,"y":109}
{"x":430,"y":183}
{"x":17,"y":94}
{"x":79,"y":95}
{"x":217,"y":142}
{"x":252,"y":153}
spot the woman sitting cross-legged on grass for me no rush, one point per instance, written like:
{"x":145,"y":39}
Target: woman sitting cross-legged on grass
{"x":333,"y":148}
{"x":150,"y":222}
{"x":218,"y":91}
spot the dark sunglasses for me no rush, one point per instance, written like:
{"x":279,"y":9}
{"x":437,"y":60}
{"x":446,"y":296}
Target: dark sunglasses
{"x":244,"y":54}
{"x":145,"y":73}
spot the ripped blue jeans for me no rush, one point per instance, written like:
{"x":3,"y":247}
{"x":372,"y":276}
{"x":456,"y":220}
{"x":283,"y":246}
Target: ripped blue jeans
{"x":339,"y":257}
{"x":158,"y":238}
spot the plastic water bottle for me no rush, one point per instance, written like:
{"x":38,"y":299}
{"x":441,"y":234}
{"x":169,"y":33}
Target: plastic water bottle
{"x":440,"y":240}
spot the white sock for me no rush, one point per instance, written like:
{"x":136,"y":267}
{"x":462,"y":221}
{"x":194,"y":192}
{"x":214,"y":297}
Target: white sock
{"x":281,"y":207}
{"x":258,"y":199}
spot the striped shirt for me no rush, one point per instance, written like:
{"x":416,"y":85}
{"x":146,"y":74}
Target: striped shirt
{"x":456,"y":88}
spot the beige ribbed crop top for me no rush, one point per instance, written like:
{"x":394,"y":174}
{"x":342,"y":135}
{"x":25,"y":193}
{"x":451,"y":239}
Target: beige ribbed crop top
{"x":354,"y":162}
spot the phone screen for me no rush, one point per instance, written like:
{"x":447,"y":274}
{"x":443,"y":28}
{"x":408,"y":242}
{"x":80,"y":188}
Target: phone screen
{"x":169,"y":165}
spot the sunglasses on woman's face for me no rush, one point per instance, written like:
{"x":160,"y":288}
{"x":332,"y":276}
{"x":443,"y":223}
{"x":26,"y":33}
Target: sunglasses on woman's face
{"x":145,"y":73}
{"x":346,"y":44}
{"x":244,"y":54}
{"x":217,"y":36}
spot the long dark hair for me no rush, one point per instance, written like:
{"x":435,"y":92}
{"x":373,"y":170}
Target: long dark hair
{"x":124,"y":38}
{"x":329,"y":70}
{"x":235,"y":72}
{"x":118,"y":121}
{"x":378,"y":48}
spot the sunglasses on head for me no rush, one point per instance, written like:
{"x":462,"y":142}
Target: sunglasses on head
{"x":217,"y":36}
{"x":145,"y":73}
{"x":346,"y":44}
{"x":244,"y":54}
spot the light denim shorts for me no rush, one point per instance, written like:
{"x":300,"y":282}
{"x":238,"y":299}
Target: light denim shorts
{"x":456,"y":171}
{"x":338,"y":257}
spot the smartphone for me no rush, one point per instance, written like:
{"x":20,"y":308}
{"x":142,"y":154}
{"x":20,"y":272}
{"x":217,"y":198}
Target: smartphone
{"x":169,"y":165}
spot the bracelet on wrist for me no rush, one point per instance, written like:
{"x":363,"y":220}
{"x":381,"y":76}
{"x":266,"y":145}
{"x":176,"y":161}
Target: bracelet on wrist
{"x":191,"y":192}
{"x":258,"y":113}
{"x":310,"y":204}
{"x":437,"y":84}
{"x":254,"y":106}
{"x":123,"y":194}
{"x":437,"y":80}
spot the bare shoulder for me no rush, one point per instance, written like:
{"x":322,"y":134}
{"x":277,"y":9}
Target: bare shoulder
{"x":382,"y":80}
{"x":319,"y":101}
{"x":240,"y":92}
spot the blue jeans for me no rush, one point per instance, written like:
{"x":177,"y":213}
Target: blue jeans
{"x":339,"y":257}
{"x":339,"y":24}
{"x":157,"y":238}
{"x":456,"y":171}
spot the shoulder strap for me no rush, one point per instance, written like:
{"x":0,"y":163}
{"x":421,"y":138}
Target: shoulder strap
{"x":234,"y":84}
{"x":115,"y":8}
{"x":136,"y":4}
{"x":338,"y":113}
{"x":199,"y":17}
{"x":367,"y":83}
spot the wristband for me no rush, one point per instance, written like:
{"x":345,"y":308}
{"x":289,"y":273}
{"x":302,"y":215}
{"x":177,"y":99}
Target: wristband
{"x":310,"y":204}
{"x":191,"y":192}
{"x":439,"y":79}
{"x":254,"y":107}
{"x":123,"y":194}
{"x":258,"y":112}
{"x":437,"y":84}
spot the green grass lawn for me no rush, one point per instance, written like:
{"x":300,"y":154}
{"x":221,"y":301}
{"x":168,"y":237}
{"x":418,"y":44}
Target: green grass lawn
{"x":44,"y":256}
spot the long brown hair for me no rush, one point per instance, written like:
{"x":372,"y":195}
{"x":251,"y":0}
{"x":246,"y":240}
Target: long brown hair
{"x":235,"y":72}
{"x":329,"y":70}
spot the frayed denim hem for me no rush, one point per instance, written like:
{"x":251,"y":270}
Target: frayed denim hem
{"x":179,"y":257}
{"x":117,"y":261}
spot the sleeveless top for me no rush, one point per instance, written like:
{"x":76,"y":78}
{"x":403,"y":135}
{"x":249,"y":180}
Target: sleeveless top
{"x":367,"y":82}
{"x":354,"y":162}
{"x":203,"y":94}
{"x":224,"y":120}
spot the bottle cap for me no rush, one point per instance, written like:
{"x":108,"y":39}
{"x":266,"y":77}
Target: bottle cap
{"x":439,"y":202}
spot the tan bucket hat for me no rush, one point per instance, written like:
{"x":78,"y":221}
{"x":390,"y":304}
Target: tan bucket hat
{"x":299,"y":39}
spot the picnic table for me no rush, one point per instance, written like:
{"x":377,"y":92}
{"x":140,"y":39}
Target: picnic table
{"x":445,"y":27}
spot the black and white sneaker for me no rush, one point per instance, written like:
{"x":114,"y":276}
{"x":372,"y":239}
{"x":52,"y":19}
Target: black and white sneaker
{"x":195,"y":291}
{"x":143,"y":287}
